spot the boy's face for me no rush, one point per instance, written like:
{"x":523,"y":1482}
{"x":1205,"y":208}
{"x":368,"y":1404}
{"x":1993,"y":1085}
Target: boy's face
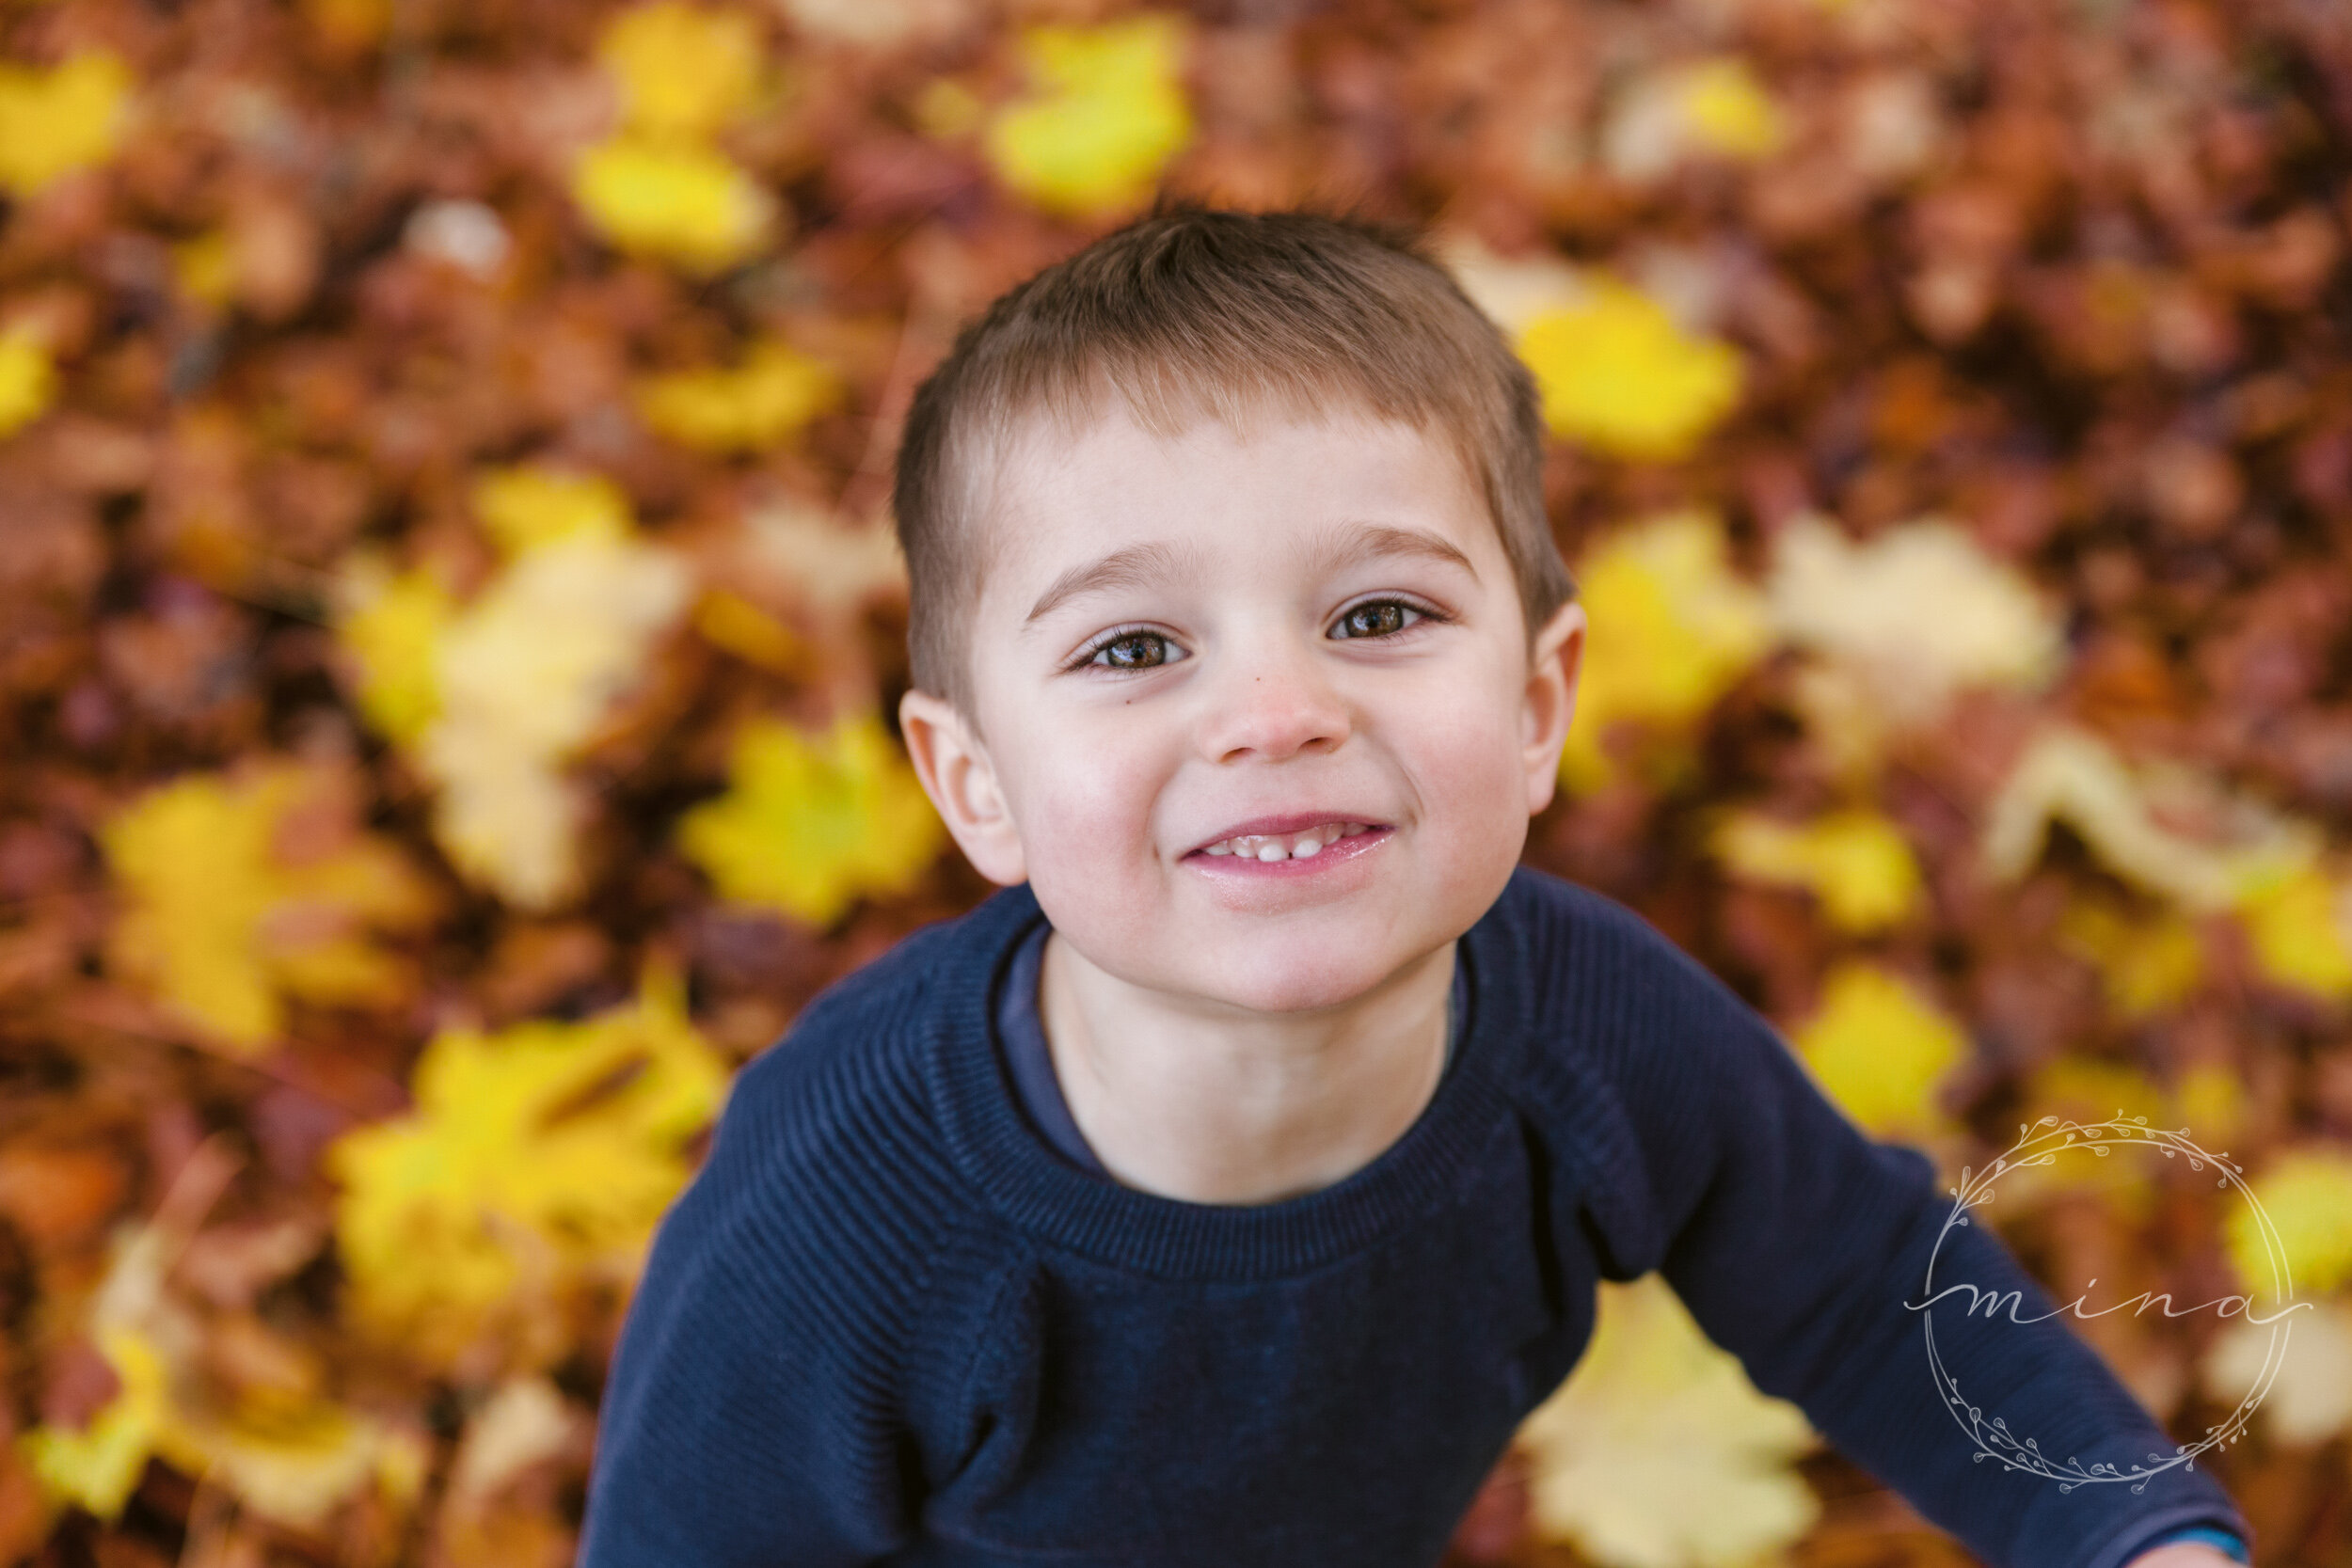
{"x":1256,"y":717}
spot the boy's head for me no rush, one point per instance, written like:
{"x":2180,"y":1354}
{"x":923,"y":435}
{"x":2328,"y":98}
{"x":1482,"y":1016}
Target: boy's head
{"x":1240,"y":317}
{"x":1239,"y":632}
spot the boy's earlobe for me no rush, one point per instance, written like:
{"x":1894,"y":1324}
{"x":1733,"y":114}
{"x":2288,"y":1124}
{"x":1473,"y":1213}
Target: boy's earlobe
{"x":957,"y":774}
{"x":1557,"y":658}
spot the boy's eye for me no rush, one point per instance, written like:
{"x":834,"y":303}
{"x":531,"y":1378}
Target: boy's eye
{"x":1136,"y":650}
{"x":1380,"y":618}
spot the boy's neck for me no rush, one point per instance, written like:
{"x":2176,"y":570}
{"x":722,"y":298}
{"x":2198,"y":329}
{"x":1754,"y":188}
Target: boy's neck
{"x":1194,"y":1100}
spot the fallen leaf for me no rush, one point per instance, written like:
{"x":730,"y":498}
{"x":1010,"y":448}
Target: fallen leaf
{"x":1105,"y":113}
{"x":1658,"y":1453}
{"x":223,"y":923}
{"x":1672,"y":627}
{"x":541,"y":1154}
{"x":1854,"y":861}
{"x":810,"y":824}
{"x":1880,"y":1048}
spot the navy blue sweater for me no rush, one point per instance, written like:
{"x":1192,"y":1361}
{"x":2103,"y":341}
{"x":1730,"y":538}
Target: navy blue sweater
{"x":886,"y":1323}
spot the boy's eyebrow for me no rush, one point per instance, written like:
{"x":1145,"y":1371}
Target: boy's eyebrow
{"x":1344,"y":547}
{"x":1123,"y":568}
{"x":1347,"y":545}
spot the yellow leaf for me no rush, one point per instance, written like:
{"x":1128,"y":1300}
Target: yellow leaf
{"x":538,"y":1158}
{"x":682,"y":203}
{"x":1106,"y":115}
{"x":28,"y":381}
{"x":1706,"y":108}
{"x":2134,"y":820}
{"x":2308,"y":1196}
{"x":97,"y":1467}
{"x":1672,"y":629}
{"x":2300,"y":925}
{"x":1617,"y":374}
{"x":2210,"y":1100}
{"x":1728,"y":109}
{"x":685,"y":72}
{"x":1658,"y":1453}
{"x":773,"y":393}
{"x":530,"y":505}
{"x":1878,"y":1048}
{"x":2148,"y":964}
{"x":57,"y":121}
{"x":524,"y":673}
{"x":1921,"y":610}
{"x":809,"y":825}
{"x":734,"y":623}
{"x":223,"y":926}
{"x":2308,"y":1396}
{"x":391,"y":630}
{"x":205,"y":268}
{"x":1854,"y":861}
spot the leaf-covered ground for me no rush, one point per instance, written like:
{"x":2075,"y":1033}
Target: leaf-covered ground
{"x":448,"y":626}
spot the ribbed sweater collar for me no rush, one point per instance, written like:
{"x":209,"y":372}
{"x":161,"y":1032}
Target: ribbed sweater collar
{"x":1169,"y":1237}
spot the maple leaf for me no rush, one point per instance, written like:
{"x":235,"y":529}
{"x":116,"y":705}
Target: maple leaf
{"x":1711,"y":108}
{"x":1854,"y":861}
{"x":494,"y":696}
{"x":809,"y":825}
{"x":684,"y":71}
{"x":1658,"y":1452}
{"x":1878,"y":1048}
{"x":775,"y":391}
{"x":528,"y":505}
{"x":1672,"y":629}
{"x":2307,"y":1195}
{"x":97,"y":1466}
{"x":224,"y":922}
{"x":1920,"y":609}
{"x":29,"y":380}
{"x":2149,"y":964}
{"x":677,"y":202}
{"x":391,"y":627}
{"x":2300,"y":925}
{"x":287,"y":1454}
{"x":1620,"y":376}
{"x":57,"y":121}
{"x":1105,"y":113}
{"x":538,"y":1158}
{"x":2137,"y":821}
{"x":2308,"y":1396}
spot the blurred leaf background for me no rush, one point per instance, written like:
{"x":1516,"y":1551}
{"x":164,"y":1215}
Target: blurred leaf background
{"x":449,"y":626}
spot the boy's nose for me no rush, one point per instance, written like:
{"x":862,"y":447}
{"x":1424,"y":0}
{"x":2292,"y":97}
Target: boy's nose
{"x":1273,"y":705}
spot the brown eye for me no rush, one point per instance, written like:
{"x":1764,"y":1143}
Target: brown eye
{"x":1136,"y":650}
{"x":1381,"y":618}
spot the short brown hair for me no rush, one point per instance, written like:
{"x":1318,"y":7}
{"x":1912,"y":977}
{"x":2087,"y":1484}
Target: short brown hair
{"x":1191,"y":312}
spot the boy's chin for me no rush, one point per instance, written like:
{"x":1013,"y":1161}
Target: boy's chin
{"x":1298,"y":978}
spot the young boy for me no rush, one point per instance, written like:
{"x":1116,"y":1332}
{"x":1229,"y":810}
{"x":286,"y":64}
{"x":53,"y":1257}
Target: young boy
{"x":1227,"y":1189}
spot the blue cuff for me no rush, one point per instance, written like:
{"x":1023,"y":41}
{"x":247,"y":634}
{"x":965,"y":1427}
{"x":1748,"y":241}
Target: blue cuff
{"x":2211,"y":1535}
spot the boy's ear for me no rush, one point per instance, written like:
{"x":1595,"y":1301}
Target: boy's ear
{"x":958,"y":775}
{"x":1556,"y":659}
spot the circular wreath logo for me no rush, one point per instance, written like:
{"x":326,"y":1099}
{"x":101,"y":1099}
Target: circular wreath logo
{"x":2040,"y":1144}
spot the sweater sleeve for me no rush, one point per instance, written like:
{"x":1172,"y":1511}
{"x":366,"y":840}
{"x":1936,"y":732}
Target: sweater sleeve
{"x":732,"y":1430}
{"x":1798,"y":1243}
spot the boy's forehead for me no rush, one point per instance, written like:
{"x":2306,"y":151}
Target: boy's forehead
{"x":1049,"y":493}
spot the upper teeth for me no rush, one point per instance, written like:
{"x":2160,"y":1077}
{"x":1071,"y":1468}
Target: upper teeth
{"x":1285,"y":846}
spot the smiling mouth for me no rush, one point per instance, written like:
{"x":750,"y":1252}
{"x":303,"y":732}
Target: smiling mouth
{"x":1305,"y":844}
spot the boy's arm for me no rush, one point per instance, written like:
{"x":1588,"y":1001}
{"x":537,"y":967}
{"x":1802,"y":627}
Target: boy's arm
{"x":1797,"y":1242}
{"x":728,"y":1435}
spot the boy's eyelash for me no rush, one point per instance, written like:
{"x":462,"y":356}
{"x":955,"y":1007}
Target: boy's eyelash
{"x":1425,"y":611}
{"x":1094,"y":646}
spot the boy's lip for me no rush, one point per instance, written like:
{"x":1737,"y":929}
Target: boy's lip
{"x":1290,"y":822}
